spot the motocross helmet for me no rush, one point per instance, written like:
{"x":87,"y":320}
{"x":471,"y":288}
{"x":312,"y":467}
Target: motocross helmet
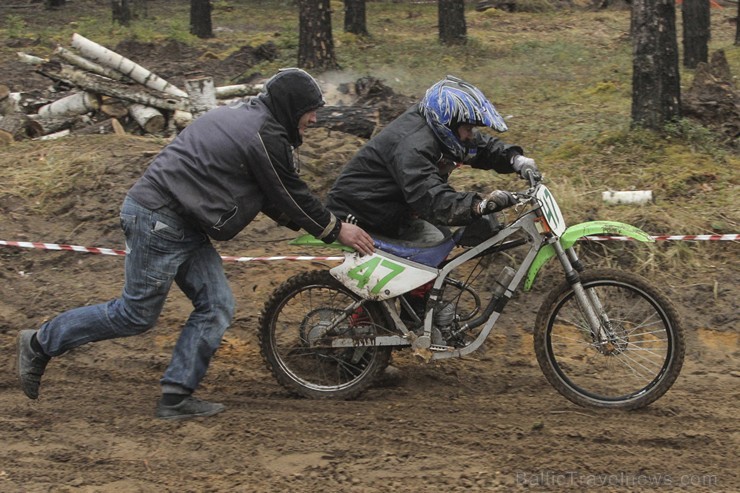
{"x":452,"y":102}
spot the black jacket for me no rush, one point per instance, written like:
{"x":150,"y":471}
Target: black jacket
{"x":396,"y":176}
{"x":235,"y":161}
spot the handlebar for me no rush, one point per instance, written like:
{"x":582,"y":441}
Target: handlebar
{"x":532,"y":177}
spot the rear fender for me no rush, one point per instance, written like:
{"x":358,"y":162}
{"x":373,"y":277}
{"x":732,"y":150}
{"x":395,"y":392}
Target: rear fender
{"x":577,"y":231}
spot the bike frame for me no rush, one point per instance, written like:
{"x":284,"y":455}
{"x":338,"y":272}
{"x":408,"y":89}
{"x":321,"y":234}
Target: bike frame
{"x":534,"y":227}
{"x":527,"y":224}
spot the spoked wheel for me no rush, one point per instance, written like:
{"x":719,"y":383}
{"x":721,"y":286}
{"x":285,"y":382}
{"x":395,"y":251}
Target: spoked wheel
{"x":640,"y":358}
{"x":297,"y":326}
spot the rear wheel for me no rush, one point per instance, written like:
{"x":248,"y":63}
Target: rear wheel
{"x":638,"y":362}
{"x":297,"y":325}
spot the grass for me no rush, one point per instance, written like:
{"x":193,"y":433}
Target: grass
{"x":562,"y":78}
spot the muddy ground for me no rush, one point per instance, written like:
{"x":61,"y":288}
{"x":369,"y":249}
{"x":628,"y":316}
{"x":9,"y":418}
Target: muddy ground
{"x":486,"y":423}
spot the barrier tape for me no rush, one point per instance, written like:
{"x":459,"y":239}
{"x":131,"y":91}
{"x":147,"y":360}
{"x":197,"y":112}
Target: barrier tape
{"x":110,"y":251}
{"x":731,"y":237}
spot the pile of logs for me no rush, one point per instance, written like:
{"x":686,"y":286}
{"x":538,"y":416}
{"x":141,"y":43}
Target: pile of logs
{"x":108,"y":84}
{"x":106,"y":87}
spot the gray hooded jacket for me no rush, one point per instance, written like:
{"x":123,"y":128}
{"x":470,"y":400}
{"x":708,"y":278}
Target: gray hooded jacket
{"x":236,"y":161}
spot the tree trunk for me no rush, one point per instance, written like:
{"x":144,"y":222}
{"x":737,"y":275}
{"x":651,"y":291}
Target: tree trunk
{"x":656,"y":90}
{"x":121,"y":11}
{"x":696,"y":32}
{"x":54,"y":4}
{"x":452,"y":29}
{"x":141,"y":9}
{"x":737,"y":26}
{"x":354,"y":17}
{"x":315,"y":42}
{"x":200,"y":18}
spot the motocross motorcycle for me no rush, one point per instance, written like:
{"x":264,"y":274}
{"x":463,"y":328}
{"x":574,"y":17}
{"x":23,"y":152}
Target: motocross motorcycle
{"x":603,"y":338}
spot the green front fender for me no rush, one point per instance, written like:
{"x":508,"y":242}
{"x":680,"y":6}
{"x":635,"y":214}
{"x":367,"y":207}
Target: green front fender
{"x":312,"y":241}
{"x":573,"y":233}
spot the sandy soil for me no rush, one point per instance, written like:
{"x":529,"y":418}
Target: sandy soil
{"x":488,"y":423}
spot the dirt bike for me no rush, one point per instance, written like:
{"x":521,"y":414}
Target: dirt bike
{"x":603,"y":338}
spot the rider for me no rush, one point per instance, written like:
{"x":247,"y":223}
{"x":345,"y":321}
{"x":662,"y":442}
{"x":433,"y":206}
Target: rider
{"x":396,"y":185}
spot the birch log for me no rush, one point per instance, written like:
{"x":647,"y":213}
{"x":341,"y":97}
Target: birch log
{"x":50,"y":125}
{"x":108,"y":58}
{"x":31,"y":59}
{"x":56,"y":135}
{"x":113,"y":107}
{"x":17,"y":126}
{"x":238,"y":90}
{"x":181,"y":119}
{"x":111,"y":125}
{"x":74,"y":104}
{"x":88,"y":65}
{"x":7,"y":103}
{"x":202,"y":93}
{"x":148,"y":118}
{"x":116,"y":89}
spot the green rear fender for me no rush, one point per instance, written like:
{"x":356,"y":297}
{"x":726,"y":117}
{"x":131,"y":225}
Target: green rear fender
{"x":573,"y":233}
{"x":312,"y":241}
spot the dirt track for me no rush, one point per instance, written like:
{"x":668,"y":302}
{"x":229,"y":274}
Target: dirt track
{"x":489,"y":423}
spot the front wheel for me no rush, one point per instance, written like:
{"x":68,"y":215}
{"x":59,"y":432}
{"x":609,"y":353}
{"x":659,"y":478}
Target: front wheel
{"x":635,"y":360}
{"x":297,"y":326}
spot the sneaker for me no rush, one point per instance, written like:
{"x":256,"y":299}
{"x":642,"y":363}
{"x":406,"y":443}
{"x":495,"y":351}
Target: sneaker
{"x":31,"y":364}
{"x":190,"y":407}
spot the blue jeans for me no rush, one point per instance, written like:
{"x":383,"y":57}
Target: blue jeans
{"x":161,"y":248}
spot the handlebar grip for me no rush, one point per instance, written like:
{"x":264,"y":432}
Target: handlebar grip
{"x":532,"y":177}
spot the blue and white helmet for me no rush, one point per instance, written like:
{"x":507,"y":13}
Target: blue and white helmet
{"x":451,"y":102}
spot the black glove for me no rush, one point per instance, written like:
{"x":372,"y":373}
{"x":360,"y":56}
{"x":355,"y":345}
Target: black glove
{"x":496,"y":201}
{"x":526,"y":166}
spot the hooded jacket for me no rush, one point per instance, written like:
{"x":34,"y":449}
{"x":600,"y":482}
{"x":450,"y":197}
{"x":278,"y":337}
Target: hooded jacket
{"x":396,"y":176}
{"x":236,"y":161}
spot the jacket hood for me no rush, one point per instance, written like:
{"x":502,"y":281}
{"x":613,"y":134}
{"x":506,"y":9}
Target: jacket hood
{"x":289,"y":95}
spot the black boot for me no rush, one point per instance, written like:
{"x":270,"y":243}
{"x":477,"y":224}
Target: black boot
{"x":31,"y":364}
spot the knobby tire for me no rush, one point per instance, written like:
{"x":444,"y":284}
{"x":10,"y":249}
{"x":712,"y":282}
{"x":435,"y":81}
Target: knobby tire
{"x":640,"y":365}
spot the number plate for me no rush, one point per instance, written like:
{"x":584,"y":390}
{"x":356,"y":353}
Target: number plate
{"x":378,"y":277}
{"x":550,"y":210}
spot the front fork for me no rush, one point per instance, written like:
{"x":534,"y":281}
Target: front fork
{"x":590,"y":305}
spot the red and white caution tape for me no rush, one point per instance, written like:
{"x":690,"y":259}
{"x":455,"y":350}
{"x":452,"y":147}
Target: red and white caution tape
{"x":733,"y":237}
{"x":54,"y":246}
{"x":280,"y":257}
{"x":110,"y":251}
